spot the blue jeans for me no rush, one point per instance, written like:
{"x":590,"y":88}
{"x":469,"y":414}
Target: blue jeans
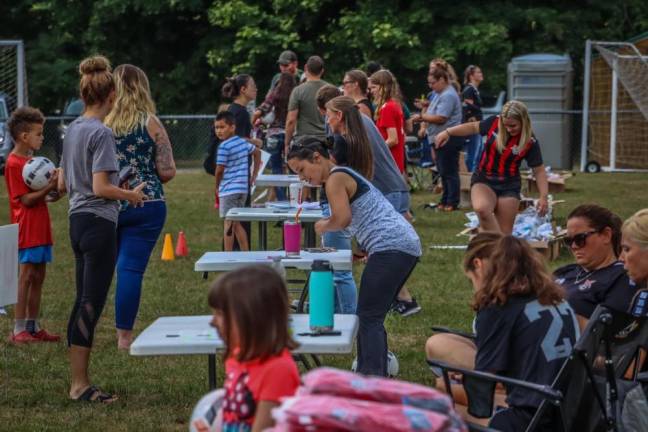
{"x":345,"y":288}
{"x":448,"y":165}
{"x":472,"y":147}
{"x":137,"y":232}
{"x":275,"y":146}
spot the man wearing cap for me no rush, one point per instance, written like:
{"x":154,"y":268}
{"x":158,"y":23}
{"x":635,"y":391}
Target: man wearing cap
{"x":304,"y":118}
{"x":287,"y":62}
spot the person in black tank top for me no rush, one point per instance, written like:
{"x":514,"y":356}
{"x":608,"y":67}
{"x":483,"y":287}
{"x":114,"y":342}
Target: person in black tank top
{"x":496,"y":184}
{"x":354,"y":86}
{"x":524,"y":328}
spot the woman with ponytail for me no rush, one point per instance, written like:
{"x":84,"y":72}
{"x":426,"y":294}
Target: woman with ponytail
{"x":90,"y":176}
{"x":524,"y":328}
{"x":241,"y":90}
{"x":392,"y":245}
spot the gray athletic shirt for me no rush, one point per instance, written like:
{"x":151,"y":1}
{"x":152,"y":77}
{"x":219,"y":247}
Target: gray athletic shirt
{"x":89,"y":147}
{"x":386,"y":176}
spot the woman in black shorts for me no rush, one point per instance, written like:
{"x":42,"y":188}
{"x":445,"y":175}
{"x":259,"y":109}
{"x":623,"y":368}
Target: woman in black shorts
{"x":496,"y":184}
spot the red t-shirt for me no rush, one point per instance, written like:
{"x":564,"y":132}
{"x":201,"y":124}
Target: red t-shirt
{"x":248,"y":383}
{"x":391,"y":116}
{"x":34,"y":228}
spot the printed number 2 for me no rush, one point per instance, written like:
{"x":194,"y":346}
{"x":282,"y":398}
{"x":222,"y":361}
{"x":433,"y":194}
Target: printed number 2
{"x":551,"y":347}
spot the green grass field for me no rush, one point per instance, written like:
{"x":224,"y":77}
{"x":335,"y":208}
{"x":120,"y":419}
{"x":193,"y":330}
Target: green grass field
{"x":158,"y":393}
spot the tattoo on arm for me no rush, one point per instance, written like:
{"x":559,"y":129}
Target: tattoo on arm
{"x":163,"y":151}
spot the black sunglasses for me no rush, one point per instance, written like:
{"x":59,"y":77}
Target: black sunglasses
{"x":578,"y":239}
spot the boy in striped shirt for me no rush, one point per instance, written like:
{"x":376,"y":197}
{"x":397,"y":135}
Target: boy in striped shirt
{"x":232,"y":176}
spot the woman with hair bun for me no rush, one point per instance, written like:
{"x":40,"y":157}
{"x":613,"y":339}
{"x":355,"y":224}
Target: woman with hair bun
{"x":241,"y":90}
{"x":90,"y":176}
{"x":597,"y":276}
{"x":144,"y":147}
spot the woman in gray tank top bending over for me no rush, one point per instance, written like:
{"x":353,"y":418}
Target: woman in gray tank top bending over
{"x":392,"y":244}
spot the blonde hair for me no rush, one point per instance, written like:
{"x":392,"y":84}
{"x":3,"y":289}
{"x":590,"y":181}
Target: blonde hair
{"x":515,"y":110}
{"x":97,"y":81}
{"x":636,"y":227}
{"x":388,"y":89}
{"x":133,"y":103}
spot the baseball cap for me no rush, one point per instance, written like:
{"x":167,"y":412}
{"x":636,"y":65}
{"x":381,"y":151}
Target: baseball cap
{"x":287,"y":57}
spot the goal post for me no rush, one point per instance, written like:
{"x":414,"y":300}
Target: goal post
{"x":13,"y":78}
{"x":615,"y":108}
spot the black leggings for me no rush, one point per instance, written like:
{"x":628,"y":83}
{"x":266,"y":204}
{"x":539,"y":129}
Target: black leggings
{"x":94,"y":242}
{"x":386,"y":272}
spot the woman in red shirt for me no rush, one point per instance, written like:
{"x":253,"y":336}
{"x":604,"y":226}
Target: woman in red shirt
{"x":389,"y":114}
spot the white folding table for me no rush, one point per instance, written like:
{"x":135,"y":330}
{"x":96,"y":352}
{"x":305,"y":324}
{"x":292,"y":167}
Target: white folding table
{"x":278,"y":180}
{"x":228,"y":261}
{"x":187,"y":335}
{"x":263,"y":215}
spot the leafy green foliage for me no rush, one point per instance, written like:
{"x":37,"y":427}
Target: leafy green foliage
{"x":188,"y":47}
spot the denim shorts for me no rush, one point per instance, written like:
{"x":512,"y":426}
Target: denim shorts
{"x":229,"y":202}
{"x":399,"y":200}
{"x":35,"y":255}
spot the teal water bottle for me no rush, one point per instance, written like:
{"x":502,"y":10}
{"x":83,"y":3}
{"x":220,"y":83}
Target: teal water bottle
{"x":321,"y":293}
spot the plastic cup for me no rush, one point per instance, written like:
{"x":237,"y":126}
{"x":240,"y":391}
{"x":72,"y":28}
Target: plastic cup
{"x":295,"y":190}
{"x":292,"y":238}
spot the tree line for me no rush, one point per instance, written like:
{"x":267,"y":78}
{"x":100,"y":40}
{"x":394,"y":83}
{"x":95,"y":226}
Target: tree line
{"x":188,"y":47}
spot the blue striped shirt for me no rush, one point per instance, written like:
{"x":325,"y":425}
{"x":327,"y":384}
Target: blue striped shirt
{"x":233,"y":155}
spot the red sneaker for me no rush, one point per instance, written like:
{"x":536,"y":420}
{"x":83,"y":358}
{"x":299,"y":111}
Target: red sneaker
{"x":22,"y":337}
{"x":43,"y":336}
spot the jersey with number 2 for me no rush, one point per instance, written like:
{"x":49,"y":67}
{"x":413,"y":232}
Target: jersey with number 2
{"x":525,"y":340}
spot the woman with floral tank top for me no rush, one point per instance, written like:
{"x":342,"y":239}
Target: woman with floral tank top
{"x":144,"y":146}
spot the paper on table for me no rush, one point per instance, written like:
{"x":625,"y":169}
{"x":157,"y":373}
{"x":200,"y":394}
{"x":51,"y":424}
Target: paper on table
{"x":265,"y":157}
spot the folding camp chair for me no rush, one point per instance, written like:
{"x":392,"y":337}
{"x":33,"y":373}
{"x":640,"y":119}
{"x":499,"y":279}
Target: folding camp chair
{"x":419,"y":166}
{"x":583,"y":396}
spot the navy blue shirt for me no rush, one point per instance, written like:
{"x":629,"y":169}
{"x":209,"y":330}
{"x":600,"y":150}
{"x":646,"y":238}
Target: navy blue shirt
{"x":608,"y":286}
{"x":525,"y":340}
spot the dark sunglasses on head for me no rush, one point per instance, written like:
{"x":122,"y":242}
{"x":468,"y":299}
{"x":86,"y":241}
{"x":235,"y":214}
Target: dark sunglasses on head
{"x":579,"y":239}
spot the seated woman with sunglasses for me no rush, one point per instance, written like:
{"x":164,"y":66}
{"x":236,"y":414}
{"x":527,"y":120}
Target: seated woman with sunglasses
{"x":597,"y":277}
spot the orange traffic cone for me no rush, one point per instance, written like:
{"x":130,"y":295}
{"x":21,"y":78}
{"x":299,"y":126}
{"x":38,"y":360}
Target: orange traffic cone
{"x":181,"y":247}
{"x":167,"y":249}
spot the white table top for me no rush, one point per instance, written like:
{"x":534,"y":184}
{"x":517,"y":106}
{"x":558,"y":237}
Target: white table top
{"x":276,"y":179}
{"x":227,"y":261}
{"x":266,"y":214}
{"x":193,"y":335}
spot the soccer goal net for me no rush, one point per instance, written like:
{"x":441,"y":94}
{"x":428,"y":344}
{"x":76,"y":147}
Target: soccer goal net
{"x":615,"y":107}
{"x":13,"y":79}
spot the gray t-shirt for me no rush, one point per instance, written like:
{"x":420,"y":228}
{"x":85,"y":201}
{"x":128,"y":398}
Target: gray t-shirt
{"x":309,"y":119}
{"x":386,"y":176}
{"x":89,"y":147}
{"x":446,"y":104}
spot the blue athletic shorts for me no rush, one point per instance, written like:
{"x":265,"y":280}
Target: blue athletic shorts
{"x":35,"y":255}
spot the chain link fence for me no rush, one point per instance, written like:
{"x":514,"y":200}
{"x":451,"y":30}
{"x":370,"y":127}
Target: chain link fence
{"x":190,"y":135}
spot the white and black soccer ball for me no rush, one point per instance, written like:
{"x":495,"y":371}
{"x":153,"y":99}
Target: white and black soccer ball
{"x":37,"y":172}
{"x":392,"y":365}
{"x":207,"y":415}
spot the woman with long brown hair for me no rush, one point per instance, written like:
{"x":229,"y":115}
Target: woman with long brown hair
{"x":389,"y":114}
{"x":275,"y":105}
{"x":524,"y":328}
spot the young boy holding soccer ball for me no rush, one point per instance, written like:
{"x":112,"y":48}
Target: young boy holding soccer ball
{"x":28,"y":208}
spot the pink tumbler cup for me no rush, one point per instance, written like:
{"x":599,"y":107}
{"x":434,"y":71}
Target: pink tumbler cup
{"x":292,"y":238}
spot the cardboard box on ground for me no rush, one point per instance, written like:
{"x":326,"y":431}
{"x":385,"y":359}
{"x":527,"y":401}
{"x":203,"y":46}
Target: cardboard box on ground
{"x":556,"y":180}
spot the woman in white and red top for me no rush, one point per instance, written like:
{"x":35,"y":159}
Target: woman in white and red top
{"x":389,"y":114}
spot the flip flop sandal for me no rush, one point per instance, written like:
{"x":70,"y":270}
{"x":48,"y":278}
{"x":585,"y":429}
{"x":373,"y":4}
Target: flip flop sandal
{"x":99,"y":396}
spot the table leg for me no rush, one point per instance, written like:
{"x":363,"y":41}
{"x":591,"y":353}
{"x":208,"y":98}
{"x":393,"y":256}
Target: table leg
{"x":212,"y":371}
{"x":263,"y":235}
{"x":205,"y":275}
{"x":303,"y":296}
